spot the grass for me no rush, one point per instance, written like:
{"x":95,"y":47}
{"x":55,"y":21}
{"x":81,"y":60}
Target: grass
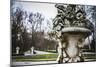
{"x":35,"y":60}
{"x":52,"y":51}
{"x":42,"y":57}
{"x":89,"y":56}
{"x":46,"y":57}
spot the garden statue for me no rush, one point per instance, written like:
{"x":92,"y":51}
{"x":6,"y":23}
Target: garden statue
{"x":17,"y":50}
{"x":72,"y":28}
{"x":32,"y":50}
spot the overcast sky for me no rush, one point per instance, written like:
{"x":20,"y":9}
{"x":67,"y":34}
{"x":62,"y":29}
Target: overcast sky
{"x":48,"y":10}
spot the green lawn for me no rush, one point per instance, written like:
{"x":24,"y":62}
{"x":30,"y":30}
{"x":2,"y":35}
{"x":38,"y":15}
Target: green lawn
{"x":43,"y":57}
{"x":46,"y":57}
{"x":52,"y":51}
{"x":89,"y":56}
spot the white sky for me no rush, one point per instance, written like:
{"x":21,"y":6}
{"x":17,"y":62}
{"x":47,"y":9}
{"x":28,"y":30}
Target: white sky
{"x":47,"y":10}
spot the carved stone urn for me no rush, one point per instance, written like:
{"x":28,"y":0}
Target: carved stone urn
{"x":71,"y":22}
{"x":74,"y":38}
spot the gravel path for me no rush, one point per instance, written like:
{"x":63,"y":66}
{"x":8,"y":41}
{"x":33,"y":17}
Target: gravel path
{"x":37,"y":53}
{"x":33,"y":63}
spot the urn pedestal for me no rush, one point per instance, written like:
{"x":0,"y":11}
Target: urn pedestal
{"x":74,"y":38}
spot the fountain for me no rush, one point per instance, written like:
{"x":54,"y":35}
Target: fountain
{"x":71,"y":28}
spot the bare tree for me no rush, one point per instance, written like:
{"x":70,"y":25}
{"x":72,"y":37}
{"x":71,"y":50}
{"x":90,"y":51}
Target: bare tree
{"x":36,"y":19}
{"x":20,"y":36}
